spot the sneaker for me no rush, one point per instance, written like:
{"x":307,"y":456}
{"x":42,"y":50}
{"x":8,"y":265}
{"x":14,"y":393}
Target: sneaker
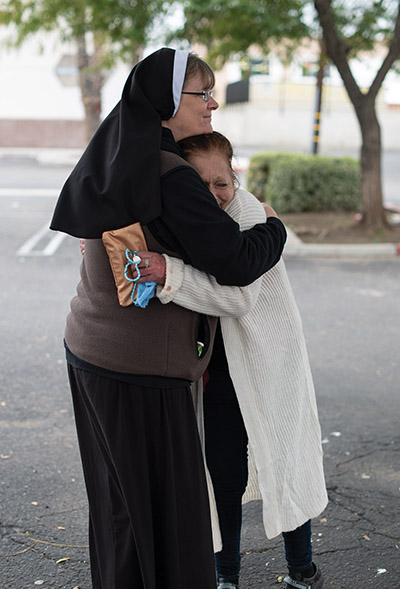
{"x":223,"y":584}
{"x":300,"y":582}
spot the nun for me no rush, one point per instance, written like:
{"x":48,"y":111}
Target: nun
{"x":130,"y":368}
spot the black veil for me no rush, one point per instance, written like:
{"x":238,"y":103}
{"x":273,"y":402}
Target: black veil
{"x":116,"y":181}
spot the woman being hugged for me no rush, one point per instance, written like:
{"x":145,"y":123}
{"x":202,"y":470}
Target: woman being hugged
{"x":258,"y":389}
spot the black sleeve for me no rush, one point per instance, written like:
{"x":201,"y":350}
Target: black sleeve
{"x":193,"y":225}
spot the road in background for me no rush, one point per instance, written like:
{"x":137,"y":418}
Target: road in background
{"x":29,"y":172}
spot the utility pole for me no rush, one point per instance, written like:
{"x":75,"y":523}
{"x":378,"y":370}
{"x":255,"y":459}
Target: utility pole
{"x":318,"y":99}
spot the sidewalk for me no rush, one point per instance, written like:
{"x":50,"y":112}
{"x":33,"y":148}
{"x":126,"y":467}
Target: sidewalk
{"x":296,"y":247}
{"x":46,"y":156}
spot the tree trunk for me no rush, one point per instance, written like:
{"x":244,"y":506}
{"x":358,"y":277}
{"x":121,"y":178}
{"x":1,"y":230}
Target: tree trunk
{"x":372,"y":211}
{"x":138,"y":54}
{"x":91,"y":82}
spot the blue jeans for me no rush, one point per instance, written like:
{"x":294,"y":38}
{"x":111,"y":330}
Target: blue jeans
{"x":226,"y":455}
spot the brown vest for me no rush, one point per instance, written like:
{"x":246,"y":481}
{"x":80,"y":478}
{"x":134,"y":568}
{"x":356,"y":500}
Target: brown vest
{"x":158,"y":340}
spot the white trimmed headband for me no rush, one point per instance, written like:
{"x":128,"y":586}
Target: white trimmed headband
{"x":178,"y":76}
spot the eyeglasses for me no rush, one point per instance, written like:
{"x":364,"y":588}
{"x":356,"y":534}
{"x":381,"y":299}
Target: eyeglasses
{"x":206,"y":94}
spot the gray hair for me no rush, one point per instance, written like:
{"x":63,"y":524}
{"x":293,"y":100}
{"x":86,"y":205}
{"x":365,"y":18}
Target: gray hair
{"x":196,"y":65}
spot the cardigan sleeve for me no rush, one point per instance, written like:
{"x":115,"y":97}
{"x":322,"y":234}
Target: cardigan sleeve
{"x":195,"y":290}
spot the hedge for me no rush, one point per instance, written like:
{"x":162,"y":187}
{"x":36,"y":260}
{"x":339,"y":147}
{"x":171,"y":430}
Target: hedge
{"x":295,"y":183}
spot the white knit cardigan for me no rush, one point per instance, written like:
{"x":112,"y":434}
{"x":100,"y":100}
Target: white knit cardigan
{"x":269,"y":367}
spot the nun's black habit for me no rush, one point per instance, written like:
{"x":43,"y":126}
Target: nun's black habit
{"x":142,"y":461}
{"x":122,"y":159}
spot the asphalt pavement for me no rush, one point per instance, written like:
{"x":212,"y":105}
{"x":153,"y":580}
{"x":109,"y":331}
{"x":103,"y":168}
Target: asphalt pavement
{"x":351,"y":324}
{"x":350,"y":311}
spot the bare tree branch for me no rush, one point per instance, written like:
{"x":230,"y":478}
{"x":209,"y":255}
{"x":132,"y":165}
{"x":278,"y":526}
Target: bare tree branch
{"x":337,"y":48}
{"x":392,"y":55}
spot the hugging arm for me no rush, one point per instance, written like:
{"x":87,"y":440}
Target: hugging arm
{"x":195,"y":290}
{"x":208,"y":239}
{"x":191,"y":288}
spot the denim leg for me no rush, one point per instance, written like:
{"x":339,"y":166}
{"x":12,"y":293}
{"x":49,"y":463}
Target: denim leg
{"x":226,"y":454}
{"x":298,"y":548}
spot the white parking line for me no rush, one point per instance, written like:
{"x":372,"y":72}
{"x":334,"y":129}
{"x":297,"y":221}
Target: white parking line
{"x":54,"y":244}
{"x":27,"y":249}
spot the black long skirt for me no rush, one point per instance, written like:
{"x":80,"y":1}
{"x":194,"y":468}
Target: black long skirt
{"x":149,"y":522}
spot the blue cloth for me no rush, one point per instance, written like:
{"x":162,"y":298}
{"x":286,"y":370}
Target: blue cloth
{"x":145,"y":291}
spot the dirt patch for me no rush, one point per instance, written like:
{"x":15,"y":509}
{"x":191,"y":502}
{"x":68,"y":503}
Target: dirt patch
{"x":339,"y":228}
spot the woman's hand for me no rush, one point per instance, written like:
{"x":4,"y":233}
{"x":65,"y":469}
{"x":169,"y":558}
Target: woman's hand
{"x":269,"y":211}
{"x":82,"y":246}
{"x":152,"y":267}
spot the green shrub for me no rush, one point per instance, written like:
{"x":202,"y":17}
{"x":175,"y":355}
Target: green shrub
{"x":294,"y":183}
{"x":259,"y":170}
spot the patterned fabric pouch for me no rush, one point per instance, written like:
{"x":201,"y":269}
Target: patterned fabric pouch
{"x":121,"y":246}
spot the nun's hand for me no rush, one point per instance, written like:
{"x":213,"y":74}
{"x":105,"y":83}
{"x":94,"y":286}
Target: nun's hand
{"x":82,"y":246}
{"x":269,"y":211}
{"x":152,"y":267}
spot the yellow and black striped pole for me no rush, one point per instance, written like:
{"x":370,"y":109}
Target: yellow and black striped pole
{"x":318,"y":102}
{"x":316,"y":128}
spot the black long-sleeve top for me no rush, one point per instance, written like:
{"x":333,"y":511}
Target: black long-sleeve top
{"x":205,"y":236}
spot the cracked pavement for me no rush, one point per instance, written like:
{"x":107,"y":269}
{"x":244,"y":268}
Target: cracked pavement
{"x":353,"y":341}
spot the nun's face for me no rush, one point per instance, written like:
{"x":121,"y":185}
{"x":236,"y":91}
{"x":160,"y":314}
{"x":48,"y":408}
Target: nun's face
{"x":193,"y":116}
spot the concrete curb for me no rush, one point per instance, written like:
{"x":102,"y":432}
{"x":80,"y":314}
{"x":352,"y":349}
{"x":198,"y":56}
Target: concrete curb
{"x":295,"y":247}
